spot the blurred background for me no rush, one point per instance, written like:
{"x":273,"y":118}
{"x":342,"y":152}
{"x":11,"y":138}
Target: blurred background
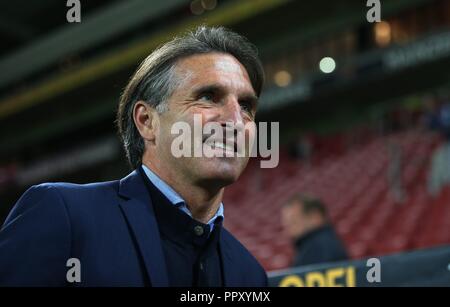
{"x":364,"y":109}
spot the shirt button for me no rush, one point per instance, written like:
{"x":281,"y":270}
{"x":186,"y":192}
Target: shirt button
{"x":198,"y":230}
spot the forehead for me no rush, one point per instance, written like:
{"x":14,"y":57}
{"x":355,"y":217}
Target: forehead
{"x":294,"y":206}
{"x":214,"y":68}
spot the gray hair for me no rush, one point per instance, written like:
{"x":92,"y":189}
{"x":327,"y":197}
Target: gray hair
{"x":155,"y":79}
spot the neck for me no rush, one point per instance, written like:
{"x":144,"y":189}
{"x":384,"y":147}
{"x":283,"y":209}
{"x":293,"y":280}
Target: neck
{"x":202,"y":201}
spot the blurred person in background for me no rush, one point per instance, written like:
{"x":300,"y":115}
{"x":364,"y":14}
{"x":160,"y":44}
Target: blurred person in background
{"x":438,"y":119}
{"x":394,"y":172}
{"x":162,"y":224}
{"x":305,"y":221}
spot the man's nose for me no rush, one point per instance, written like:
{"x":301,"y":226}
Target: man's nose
{"x":232,"y":112}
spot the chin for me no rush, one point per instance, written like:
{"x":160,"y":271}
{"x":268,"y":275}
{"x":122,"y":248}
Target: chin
{"x":224,"y":172}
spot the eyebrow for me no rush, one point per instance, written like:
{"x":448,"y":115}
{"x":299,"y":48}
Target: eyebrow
{"x":217,"y":88}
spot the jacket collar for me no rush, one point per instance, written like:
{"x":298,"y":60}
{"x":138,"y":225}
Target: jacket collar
{"x":138,"y":210}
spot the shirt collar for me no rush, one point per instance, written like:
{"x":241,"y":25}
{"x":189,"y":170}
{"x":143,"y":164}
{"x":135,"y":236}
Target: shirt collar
{"x":175,"y":198}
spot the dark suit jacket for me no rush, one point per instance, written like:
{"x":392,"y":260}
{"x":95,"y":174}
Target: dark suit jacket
{"x":319,"y":246}
{"x":110,"y":227}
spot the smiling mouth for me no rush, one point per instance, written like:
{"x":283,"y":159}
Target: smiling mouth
{"x":221,"y":145}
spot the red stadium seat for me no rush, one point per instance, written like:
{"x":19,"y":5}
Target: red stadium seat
{"x":354,"y":186}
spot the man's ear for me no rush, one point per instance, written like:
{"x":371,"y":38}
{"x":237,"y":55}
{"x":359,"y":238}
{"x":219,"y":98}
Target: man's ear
{"x":146,"y":120}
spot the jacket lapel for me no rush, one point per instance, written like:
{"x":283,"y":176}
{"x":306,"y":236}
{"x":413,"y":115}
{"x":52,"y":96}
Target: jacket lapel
{"x":138,"y":210}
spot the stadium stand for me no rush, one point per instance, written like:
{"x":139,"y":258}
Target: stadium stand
{"x":355,"y":188}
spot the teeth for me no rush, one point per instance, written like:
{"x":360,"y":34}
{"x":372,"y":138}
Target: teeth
{"x":222,"y":146}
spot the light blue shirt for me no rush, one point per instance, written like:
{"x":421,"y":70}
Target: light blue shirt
{"x":175,"y":198}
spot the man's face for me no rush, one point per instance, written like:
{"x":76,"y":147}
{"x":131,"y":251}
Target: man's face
{"x":294,"y":221}
{"x":216,"y":87}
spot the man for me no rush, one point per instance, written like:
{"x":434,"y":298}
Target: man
{"x":305,"y":221}
{"x":162,"y":224}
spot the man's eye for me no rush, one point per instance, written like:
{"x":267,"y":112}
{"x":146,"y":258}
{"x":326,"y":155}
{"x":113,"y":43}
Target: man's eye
{"x":206,"y":96}
{"x":247,"y":107}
